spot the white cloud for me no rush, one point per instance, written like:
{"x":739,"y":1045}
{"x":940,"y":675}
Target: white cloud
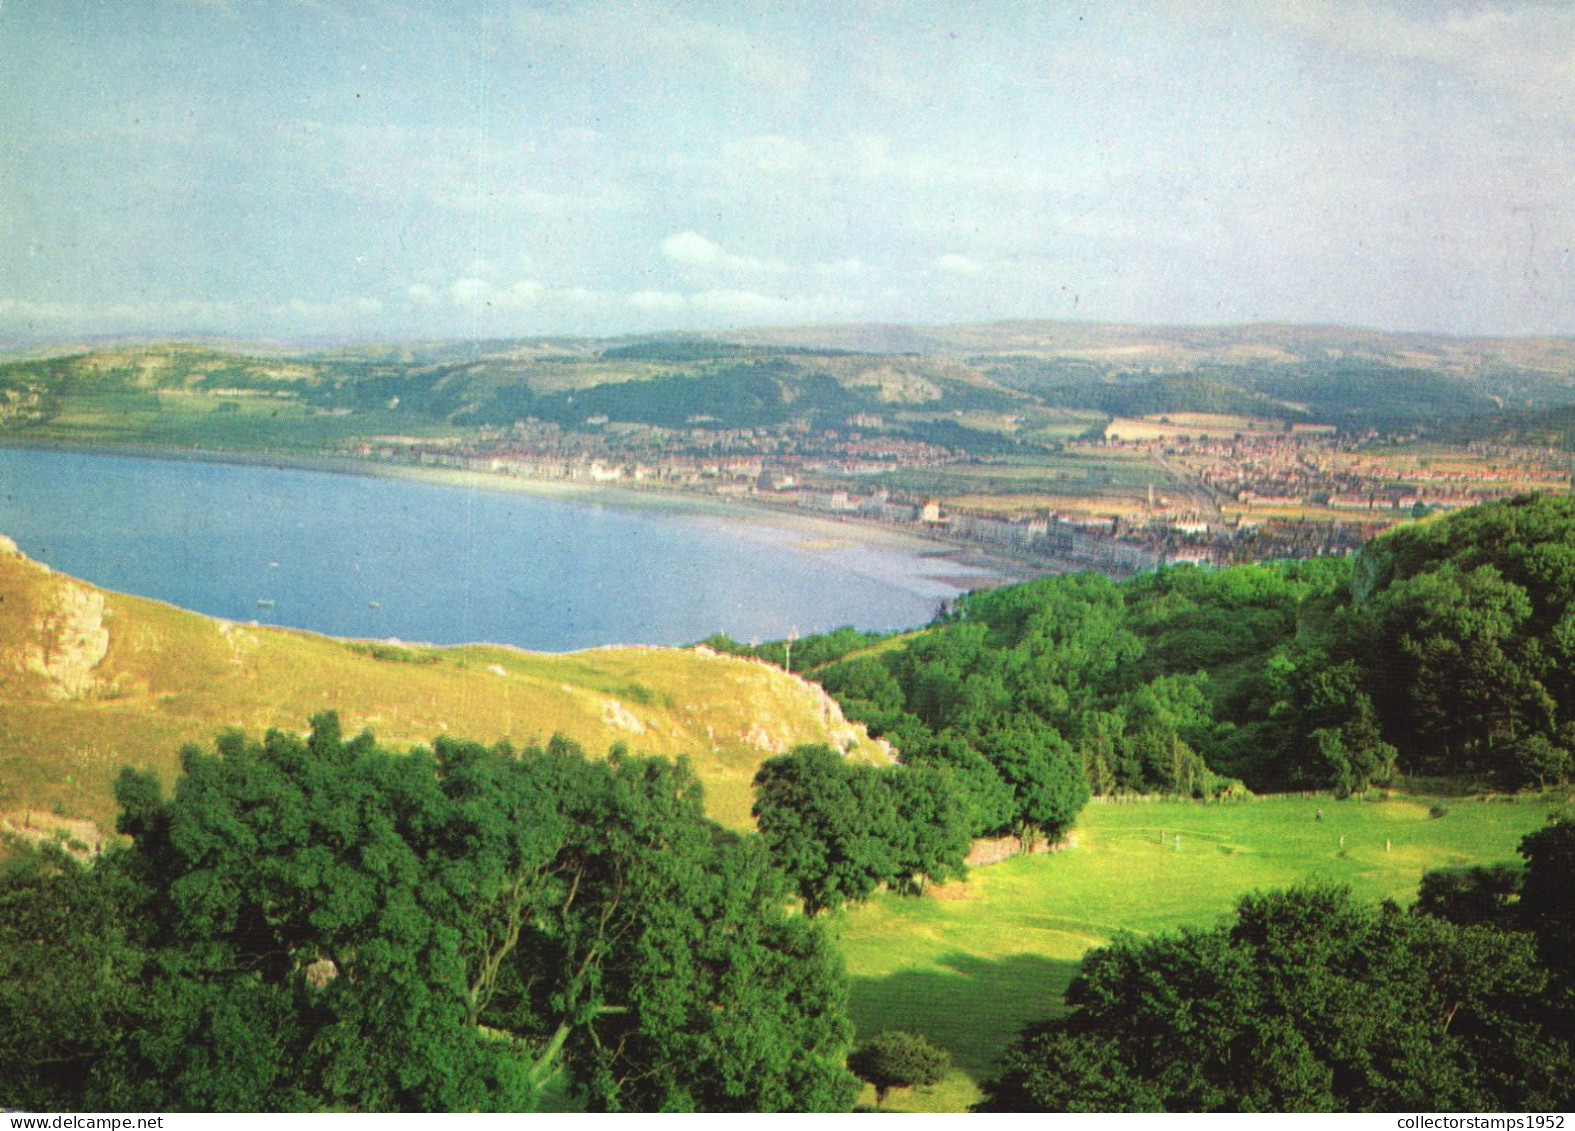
{"x":476,"y":295}
{"x":691,"y":251}
{"x":665,"y":38}
{"x":657,"y":302}
{"x":771,"y":153}
{"x":954,"y":264}
{"x":850,"y":268}
{"x":1521,"y":49}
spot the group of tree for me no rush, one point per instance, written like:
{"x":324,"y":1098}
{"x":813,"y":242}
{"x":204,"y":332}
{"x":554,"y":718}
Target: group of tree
{"x":1444,"y":649}
{"x":1308,"y":1000}
{"x":320,"y":924}
{"x":1036,"y":694}
{"x":839,"y":829}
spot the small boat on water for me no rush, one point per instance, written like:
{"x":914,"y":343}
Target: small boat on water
{"x":264,"y":604}
{"x":374,"y":605}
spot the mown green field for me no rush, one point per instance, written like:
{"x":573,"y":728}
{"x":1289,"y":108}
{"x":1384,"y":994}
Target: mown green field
{"x":970,"y":963}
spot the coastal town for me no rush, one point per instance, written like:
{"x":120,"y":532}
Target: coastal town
{"x":1260,"y":490}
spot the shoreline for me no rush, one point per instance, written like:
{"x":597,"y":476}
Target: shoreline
{"x":963,"y":567}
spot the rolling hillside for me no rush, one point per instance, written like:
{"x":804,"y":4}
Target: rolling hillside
{"x":91,"y":681}
{"x":909,"y":377}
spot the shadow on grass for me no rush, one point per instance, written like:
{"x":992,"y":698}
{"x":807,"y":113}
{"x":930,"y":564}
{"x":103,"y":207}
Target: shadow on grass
{"x":971,"y":1007}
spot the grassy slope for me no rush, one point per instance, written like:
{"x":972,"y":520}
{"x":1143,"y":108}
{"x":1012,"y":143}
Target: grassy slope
{"x":970,"y":963}
{"x":171,"y":677}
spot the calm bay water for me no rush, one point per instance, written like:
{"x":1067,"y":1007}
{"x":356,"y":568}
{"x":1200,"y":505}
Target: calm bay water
{"x":381,"y":558}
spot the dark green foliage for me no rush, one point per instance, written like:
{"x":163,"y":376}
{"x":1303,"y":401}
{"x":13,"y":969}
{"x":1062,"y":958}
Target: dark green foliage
{"x":839,"y":830}
{"x":807,"y":652}
{"x":1465,"y":630}
{"x":1360,"y":394}
{"x":894,"y":1059}
{"x":1545,"y":896}
{"x":1443,"y":649}
{"x":1352,"y":392}
{"x":743,"y":396}
{"x":1306,"y":1001}
{"x":321,"y":924}
{"x":1079,"y":385}
{"x":987,"y":799}
{"x":931,"y":830}
{"x":1049,"y":787}
{"x":960,"y":438}
{"x":1472,"y":895}
{"x":66,"y":963}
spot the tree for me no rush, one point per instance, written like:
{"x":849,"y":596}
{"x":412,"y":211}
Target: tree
{"x":1471,"y":895}
{"x":931,"y":829}
{"x":829,"y":825}
{"x":66,"y":960}
{"x":1545,"y":895}
{"x":322,"y":924}
{"x":894,"y":1059}
{"x":1048,"y":783}
{"x":986,"y":799}
{"x":1306,"y":1001}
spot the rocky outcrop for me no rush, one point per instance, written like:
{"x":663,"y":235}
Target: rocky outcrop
{"x":69,"y":641}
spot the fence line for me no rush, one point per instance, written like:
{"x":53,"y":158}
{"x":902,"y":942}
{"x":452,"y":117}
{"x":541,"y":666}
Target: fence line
{"x":1227,"y":799}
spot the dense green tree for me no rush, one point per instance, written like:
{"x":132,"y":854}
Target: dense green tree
{"x":1480,"y":894}
{"x":67,"y":962}
{"x":1545,"y":901}
{"x":1306,"y":1001}
{"x":839,"y":829}
{"x":894,"y":1059}
{"x":931,"y":831}
{"x":1048,"y":783}
{"x":1049,"y":1069}
{"x":322,"y":924}
{"x":1465,"y":677}
{"x":829,"y":824}
{"x":985,"y":796}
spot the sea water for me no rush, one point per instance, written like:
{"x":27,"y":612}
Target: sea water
{"x":381,"y":558}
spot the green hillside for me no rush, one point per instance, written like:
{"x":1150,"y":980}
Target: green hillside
{"x":914,"y":379}
{"x":91,"y":681}
{"x":186,"y":395}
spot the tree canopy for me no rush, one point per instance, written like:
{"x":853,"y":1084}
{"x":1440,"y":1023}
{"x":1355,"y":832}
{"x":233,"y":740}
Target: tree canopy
{"x":1306,"y":1001}
{"x":894,"y":1059}
{"x":839,"y":830}
{"x":1444,"y":648}
{"x":322,"y":924}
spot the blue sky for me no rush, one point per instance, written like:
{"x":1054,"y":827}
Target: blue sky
{"x":380,"y":170}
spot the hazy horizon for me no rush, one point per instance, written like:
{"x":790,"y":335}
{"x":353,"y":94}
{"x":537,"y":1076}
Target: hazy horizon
{"x":373,"y":171}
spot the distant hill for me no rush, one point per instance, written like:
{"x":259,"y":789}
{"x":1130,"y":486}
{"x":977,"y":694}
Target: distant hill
{"x":1550,"y":427}
{"x":91,"y":681}
{"x":910,"y":378}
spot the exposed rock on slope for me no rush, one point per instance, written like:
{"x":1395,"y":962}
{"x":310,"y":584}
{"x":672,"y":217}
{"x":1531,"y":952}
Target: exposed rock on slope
{"x":70,"y":641}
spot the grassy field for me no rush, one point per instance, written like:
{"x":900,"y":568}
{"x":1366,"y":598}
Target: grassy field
{"x":968,"y":964}
{"x":1084,"y":480}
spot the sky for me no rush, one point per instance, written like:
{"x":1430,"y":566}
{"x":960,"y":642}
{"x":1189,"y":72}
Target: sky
{"x":380,"y":170}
